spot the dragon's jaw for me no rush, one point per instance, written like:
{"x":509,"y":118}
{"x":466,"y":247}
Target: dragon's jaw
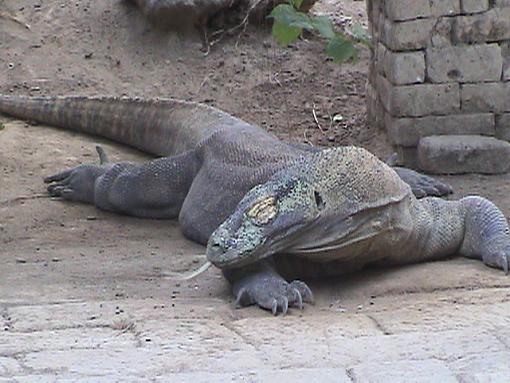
{"x":245,"y":253}
{"x":321,"y":240}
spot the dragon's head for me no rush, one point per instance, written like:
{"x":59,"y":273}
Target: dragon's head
{"x":268,"y":218}
{"x":320,"y":203}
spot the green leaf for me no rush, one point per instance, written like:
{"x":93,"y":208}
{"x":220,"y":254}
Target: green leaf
{"x":285,"y":34}
{"x":286,"y":14}
{"x":297,"y":3}
{"x":340,"y":49}
{"x":360,"y":34}
{"x":324,"y":26}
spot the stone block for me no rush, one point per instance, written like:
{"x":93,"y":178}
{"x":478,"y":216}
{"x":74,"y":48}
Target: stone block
{"x":409,"y":131}
{"x":400,"y":10}
{"x":443,"y":7}
{"x":503,"y":126}
{"x":505,"y":52}
{"x":420,"y":99}
{"x":486,"y":97}
{"x":407,"y":35}
{"x":474,"y":6}
{"x":493,"y":25}
{"x":373,"y":107}
{"x":463,"y":154}
{"x":501,"y":3}
{"x":380,"y":57}
{"x":374,"y":13}
{"x":441,"y":32}
{"x":473,"y":63}
{"x":404,"y":67}
{"x":417,"y":34}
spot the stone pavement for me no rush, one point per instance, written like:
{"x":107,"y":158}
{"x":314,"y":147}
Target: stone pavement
{"x":93,"y":297}
{"x":460,"y":336}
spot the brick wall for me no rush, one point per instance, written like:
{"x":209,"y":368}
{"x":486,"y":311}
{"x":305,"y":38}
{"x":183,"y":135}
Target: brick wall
{"x":441,"y":67}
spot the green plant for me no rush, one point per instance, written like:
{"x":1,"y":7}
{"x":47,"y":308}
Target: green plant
{"x":2,"y":126}
{"x":289,"y":23}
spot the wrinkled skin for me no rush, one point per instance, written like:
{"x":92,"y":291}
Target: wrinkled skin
{"x":302,"y":213}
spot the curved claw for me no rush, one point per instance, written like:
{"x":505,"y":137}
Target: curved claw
{"x":56,"y":190}
{"x":304,"y":291}
{"x":281,"y":303}
{"x":284,"y":305}
{"x":103,"y":157}
{"x":274,"y":307}
{"x":499,"y":260}
{"x":243,"y":298}
{"x":298,"y":299}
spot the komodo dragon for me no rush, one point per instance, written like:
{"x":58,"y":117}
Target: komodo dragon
{"x":264,"y":207}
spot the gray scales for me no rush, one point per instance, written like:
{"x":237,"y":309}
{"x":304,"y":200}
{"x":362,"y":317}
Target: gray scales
{"x":268,"y":211}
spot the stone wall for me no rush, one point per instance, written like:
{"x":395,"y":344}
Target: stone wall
{"x":442,"y":67}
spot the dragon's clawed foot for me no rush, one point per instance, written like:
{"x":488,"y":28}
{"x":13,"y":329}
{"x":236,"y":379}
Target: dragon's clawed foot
{"x":275,"y":294}
{"x":423,"y":185}
{"x":77,"y":184}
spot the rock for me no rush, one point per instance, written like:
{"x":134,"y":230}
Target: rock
{"x":476,"y":63}
{"x":503,"y":126}
{"x":486,"y":97}
{"x":493,"y":25}
{"x":419,"y":99}
{"x":463,"y":154}
{"x":408,"y":131}
{"x":474,"y":6}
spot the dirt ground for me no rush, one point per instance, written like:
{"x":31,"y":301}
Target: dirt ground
{"x":86,"y":294}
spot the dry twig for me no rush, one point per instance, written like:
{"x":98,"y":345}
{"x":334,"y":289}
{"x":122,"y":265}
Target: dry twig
{"x":316,"y":120}
{"x":8,"y":16}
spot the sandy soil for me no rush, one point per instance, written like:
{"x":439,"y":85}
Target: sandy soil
{"x":53,"y":251}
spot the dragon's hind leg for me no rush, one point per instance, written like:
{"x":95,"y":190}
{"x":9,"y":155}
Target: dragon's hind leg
{"x":156,"y":189}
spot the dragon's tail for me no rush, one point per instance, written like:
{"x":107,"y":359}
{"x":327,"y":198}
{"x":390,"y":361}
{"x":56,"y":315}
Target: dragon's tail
{"x":160,"y":127}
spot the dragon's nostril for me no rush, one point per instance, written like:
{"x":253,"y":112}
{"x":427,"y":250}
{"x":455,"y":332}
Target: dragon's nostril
{"x":232,"y":243}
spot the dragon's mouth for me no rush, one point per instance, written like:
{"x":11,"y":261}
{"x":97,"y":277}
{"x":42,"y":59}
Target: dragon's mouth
{"x":238,"y":256}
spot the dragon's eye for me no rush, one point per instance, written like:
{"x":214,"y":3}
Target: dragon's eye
{"x":263,"y":211}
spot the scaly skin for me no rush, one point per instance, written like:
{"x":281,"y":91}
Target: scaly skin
{"x":338,"y":211}
{"x":211,"y":162}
